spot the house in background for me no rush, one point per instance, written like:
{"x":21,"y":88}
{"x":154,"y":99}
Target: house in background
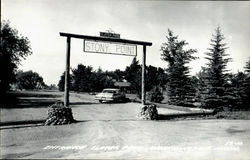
{"x":123,"y":86}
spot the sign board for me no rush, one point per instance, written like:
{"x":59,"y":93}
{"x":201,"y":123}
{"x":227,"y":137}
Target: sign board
{"x":109,"y":48}
{"x":108,"y":34}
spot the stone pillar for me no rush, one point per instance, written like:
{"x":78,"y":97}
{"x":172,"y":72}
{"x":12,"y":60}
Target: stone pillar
{"x":148,"y":112}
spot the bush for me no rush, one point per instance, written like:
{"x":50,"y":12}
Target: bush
{"x":156,"y":95}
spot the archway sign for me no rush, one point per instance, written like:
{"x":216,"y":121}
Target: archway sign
{"x":106,"y":43}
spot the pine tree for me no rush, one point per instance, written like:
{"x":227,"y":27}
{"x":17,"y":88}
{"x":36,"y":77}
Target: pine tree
{"x":133,"y":75}
{"x":215,"y":93}
{"x":246,"y":84}
{"x":61,"y":82}
{"x":82,"y":78}
{"x":180,"y":90}
{"x":238,"y":91}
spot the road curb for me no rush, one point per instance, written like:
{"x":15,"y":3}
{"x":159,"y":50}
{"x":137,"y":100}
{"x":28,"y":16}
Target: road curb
{"x":185,"y":109}
{"x":21,"y":122}
{"x":178,"y":115}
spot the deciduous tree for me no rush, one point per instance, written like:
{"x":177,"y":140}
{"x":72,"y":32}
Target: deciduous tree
{"x":29,"y":80}
{"x":14,"y":48}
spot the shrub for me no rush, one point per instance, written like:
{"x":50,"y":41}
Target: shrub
{"x":156,"y":95}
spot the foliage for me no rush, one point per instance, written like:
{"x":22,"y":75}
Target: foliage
{"x":246,"y":86}
{"x":194,"y":88}
{"x":82,"y":78}
{"x":118,"y":75}
{"x":237,"y":96}
{"x":180,"y":90}
{"x":29,"y":80}
{"x":154,"y":77}
{"x":213,"y":92}
{"x":201,"y":84}
{"x":62,"y":80}
{"x":85,"y":79}
{"x":51,"y":87}
{"x":156,"y":95}
{"x":14,"y":48}
{"x":133,"y":75}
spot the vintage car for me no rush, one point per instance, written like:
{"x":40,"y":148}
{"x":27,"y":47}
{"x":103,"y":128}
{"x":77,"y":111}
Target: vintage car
{"x":110,"y":94}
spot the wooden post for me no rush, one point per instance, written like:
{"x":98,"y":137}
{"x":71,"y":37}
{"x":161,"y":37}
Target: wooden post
{"x":143,"y":75}
{"x":66,"y":84}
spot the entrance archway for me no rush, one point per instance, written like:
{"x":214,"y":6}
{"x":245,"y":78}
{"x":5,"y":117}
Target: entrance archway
{"x":122,"y":48}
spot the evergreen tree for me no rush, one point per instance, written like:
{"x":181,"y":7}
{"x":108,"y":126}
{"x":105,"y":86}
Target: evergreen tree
{"x":238,"y":91}
{"x":180,"y":90}
{"x":97,"y":84}
{"x":156,"y":95}
{"x":61,"y":83}
{"x":201,"y":85}
{"x":118,"y":75}
{"x":246,"y":84}
{"x":215,"y":92}
{"x":82,"y":78}
{"x":133,"y":75}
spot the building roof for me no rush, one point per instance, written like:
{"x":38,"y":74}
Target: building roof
{"x":122,"y":84}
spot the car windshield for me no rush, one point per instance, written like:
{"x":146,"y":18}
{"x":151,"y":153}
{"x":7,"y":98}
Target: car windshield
{"x":109,"y":91}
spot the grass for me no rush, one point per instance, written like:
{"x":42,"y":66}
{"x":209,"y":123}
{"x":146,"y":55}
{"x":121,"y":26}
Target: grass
{"x":226,"y":115}
{"x":244,"y":115}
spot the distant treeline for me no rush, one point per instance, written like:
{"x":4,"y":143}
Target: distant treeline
{"x":85,"y":79}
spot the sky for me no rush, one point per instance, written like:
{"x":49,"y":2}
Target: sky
{"x":143,"y":20}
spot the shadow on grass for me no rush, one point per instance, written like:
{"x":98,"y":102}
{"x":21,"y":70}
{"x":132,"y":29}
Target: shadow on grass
{"x":29,"y":103}
{"x":182,"y":115}
{"x":27,"y":100}
{"x":36,"y":99}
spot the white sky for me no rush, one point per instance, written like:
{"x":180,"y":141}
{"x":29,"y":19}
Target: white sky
{"x":42,"y":20}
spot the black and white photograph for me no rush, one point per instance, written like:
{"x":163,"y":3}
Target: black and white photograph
{"x":125,"y":79}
